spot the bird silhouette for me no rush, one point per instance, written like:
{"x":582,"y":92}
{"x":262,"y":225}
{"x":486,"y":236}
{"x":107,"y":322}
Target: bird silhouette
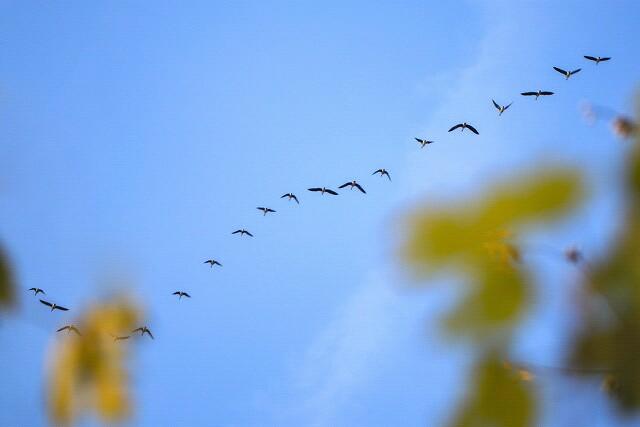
{"x":181,"y":294}
{"x":53,"y":306}
{"x":423,"y":142}
{"x":464,"y":126}
{"x":37,"y":291}
{"x":290,"y":196}
{"x":353,"y":184}
{"x":537,"y":94}
{"x":242,"y":232}
{"x":143,"y":330}
{"x":69,"y":329}
{"x":323,"y":190}
{"x":501,"y":108}
{"x":382,"y":173}
{"x":265,"y":211}
{"x":212,"y":262}
{"x":567,"y":74}
{"x":597,"y":59}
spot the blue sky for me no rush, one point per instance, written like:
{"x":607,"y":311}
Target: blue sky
{"x":134,"y":138}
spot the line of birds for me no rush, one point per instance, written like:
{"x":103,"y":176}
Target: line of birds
{"x":322,"y":190}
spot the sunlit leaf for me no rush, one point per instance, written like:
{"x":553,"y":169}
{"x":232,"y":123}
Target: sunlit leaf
{"x":88,"y":371}
{"x":498,"y":398}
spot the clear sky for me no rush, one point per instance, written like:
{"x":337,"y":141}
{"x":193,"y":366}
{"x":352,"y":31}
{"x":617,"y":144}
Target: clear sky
{"x":136,"y":136}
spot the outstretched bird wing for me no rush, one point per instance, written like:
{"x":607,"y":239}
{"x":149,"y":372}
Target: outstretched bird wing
{"x":528,"y":93}
{"x":270,"y":210}
{"x":360,"y":188}
{"x":459,"y":125}
{"x":295,"y":198}
{"x":495,"y":104}
{"x":591,"y":58}
{"x":315,"y":189}
{"x":47,"y":303}
{"x":345,"y":185}
{"x":605,"y":59}
{"x":330,"y":192}
{"x":508,"y":105}
{"x":176,"y":293}
{"x":247,"y":233}
{"x":147,"y":331}
{"x":575,"y":71}
{"x":378,"y":171}
{"x":138,"y":330}
{"x":560,"y":70}
{"x":472,"y":129}
{"x":237,"y":231}
{"x":285,"y":195}
{"x":421,"y":141}
{"x":546,"y":93}
{"x":63,"y":328}
{"x":186,"y":295}
{"x":262,"y":209}
{"x":59,"y":307}
{"x":386,"y":173}
{"x":74,"y":329}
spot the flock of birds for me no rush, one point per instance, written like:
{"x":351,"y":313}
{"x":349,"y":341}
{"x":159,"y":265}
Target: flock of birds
{"x":322,"y":190}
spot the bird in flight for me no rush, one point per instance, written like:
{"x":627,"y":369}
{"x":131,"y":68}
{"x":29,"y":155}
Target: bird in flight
{"x":423,"y":142}
{"x":353,"y":184}
{"x":242,"y":231}
{"x":69,"y":329}
{"x":464,"y":126}
{"x":53,"y":306}
{"x":181,"y":294}
{"x":323,"y":190}
{"x":37,"y":291}
{"x":597,"y":59}
{"x":120,"y":337}
{"x":265,"y":211}
{"x":501,"y":108}
{"x":290,"y":196}
{"x":567,"y":74}
{"x":537,"y":94}
{"x":143,"y":330}
{"x":382,"y":173}
{"x":212,"y":262}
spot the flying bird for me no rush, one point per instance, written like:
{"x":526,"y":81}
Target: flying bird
{"x":597,"y":59}
{"x":501,"y":108}
{"x":567,"y":74}
{"x":423,"y":142}
{"x":143,"y":330}
{"x":353,"y":184}
{"x":290,"y":196}
{"x":212,"y":262}
{"x":181,"y":294}
{"x":37,"y":291}
{"x":69,"y":329}
{"x":53,"y":306}
{"x":382,"y":173}
{"x":265,"y":211}
{"x":537,"y":94}
{"x":323,"y":190}
{"x":120,"y":337}
{"x":464,"y":126}
{"x":242,"y":232}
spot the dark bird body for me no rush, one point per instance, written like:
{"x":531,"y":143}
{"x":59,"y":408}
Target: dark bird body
{"x":501,"y":108}
{"x":567,"y":74}
{"x":212,"y":262}
{"x":597,"y":59}
{"x":181,"y":294}
{"x":37,"y":291}
{"x":143,"y":330}
{"x":353,"y":184}
{"x":382,"y":173}
{"x":53,"y":306}
{"x":464,"y":126}
{"x":290,"y":196}
{"x":537,"y":94}
{"x":423,"y":142}
{"x":323,"y":190}
{"x":69,"y":328}
{"x":265,"y":211}
{"x":242,"y":232}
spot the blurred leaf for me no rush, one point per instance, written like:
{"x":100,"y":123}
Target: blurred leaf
{"x":88,"y":371}
{"x":7,"y":284}
{"x":499,"y":398}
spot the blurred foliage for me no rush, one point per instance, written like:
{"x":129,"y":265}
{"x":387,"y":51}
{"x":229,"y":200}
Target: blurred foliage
{"x":475,"y":240}
{"x":87,"y":372}
{"x":611,"y":339}
{"x":7,"y":284}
